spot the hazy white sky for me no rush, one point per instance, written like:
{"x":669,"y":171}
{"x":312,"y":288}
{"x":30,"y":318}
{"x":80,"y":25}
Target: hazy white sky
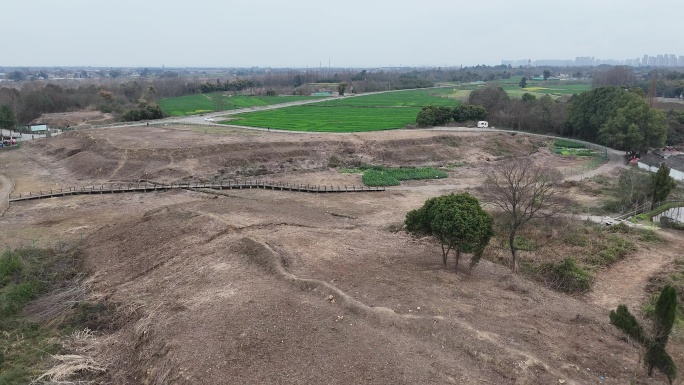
{"x":349,"y":33}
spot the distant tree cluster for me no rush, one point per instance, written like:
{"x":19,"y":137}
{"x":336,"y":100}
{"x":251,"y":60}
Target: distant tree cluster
{"x":441,"y":115}
{"x":540,"y":115}
{"x":143,"y":111}
{"x":7,"y":119}
{"x":620,"y":76}
{"x":410,"y":81}
{"x":230,"y":86}
{"x":618,"y":118}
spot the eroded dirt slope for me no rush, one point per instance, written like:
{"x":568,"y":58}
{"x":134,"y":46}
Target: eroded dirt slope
{"x":239,"y":287}
{"x":165,"y":154}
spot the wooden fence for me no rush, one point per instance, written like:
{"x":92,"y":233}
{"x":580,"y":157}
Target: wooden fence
{"x":113,"y":188}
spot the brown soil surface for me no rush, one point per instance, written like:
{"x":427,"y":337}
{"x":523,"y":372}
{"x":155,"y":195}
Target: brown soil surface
{"x":261,"y":287}
{"x":74,"y":119}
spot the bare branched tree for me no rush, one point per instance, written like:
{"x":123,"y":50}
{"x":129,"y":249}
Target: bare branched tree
{"x":522,"y":191}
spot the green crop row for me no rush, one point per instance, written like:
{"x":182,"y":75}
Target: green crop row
{"x":328,"y":119}
{"x":410,"y":98}
{"x":381,"y":176}
{"x":568,"y":143}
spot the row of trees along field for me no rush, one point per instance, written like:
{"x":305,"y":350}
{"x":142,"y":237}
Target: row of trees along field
{"x":136,"y":99}
{"x":617,"y":117}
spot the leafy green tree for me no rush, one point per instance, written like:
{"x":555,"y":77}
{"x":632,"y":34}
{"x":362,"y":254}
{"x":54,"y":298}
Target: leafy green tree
{"x":547,"y":74}
{"x":662,"y":183}
{"x":633,"y":125}
{"x":528,"y":97}
{"x":523,"y":82}
{"x":457,"y":221}
{"x":426,"y":117}
{"x":468,"y":112}
{"x":341,"y":88}
{"x":617,"y":118}
{"x":664,"y":316}
{"x":7,"y":119}
{"x":433,"y":116}
{"x":491,"y":97}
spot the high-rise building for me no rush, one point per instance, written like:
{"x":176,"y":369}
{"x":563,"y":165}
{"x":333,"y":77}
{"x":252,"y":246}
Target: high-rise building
{"x":644,"y":61}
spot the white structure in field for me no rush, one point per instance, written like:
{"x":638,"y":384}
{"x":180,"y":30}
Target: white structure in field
{"x":482,"y":124}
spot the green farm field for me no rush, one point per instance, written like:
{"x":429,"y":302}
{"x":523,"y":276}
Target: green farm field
{"x":202,"y":103}
{"x":411,"y":98}
{"x":329,"y":119}
{"x":537,"y":88}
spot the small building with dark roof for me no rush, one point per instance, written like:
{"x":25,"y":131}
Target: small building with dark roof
{"x":675,"y":162}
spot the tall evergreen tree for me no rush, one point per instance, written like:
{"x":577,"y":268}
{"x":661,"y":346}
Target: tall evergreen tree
{"x":662,"y":184}
{"x":665,"y":312}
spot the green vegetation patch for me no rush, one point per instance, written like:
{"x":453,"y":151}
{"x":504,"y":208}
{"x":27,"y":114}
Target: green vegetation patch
{"x":381,"y":176}
{"x":564,"y":253}
{"x":540,"y":88}
{"x":24,"y":275}
{"x":328,"y":119}
{"x":569,"y":147}
{"x":409,"y":98}
{"x":672,"y":274}
{"x":217,"y":101}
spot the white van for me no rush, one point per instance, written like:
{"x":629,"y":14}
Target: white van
{"x":482,"y":124}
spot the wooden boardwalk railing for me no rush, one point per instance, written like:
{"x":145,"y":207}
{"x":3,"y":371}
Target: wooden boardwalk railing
{"x":113,"y":188}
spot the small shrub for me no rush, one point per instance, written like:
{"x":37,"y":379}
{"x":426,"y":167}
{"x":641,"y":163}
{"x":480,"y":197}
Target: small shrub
{"x":10,"y":266}
{"x":616,"y":249}
{"x":13,"y":298}
{"x":334,"y":161}
{"x":602,"y":180}
{"x":94,"y":316}
{"x":669,"y":223}
{"x":619,"y":227}
{"x":612,"y":205}
{"x":524,"y":244}
{"x":649,"y":236}
{"x":574,"y":238}
{"x":569,"y":278}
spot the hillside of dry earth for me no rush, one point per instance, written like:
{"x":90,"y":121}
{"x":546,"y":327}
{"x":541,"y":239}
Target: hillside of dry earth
{"x":268,"y":287}
{"x":167,"y":154}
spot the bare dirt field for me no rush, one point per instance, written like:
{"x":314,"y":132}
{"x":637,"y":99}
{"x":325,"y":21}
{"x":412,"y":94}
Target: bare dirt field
{"x":267,"y":287}
{"x":74,"y":119}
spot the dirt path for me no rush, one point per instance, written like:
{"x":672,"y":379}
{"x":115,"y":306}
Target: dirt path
{"x":121,"y":164}
{"x":616,"y":160}
{"x":624,"y":282}
{"x":6,"y":187}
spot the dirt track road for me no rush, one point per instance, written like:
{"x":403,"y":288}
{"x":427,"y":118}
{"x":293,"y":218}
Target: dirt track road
{"x":624,"y":282}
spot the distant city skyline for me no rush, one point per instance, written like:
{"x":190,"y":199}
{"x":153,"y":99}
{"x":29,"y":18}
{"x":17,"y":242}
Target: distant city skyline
{"x":660,"y":60}
{"x":313,"y":33}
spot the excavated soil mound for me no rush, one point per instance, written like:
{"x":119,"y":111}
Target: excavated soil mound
{"x":166,"y":155}
{"x":73,"y":119}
